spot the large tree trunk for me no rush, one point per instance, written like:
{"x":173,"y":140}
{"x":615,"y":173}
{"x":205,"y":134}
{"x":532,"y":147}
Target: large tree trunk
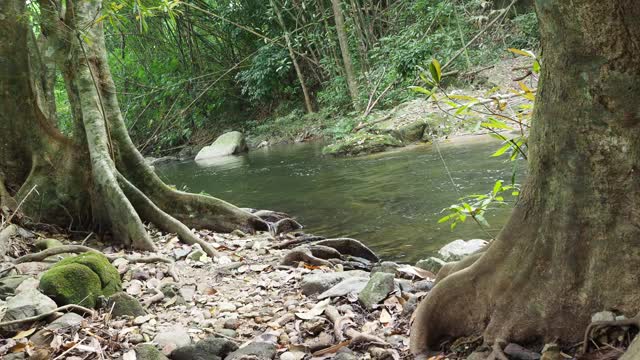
{"x":343,"y":39}
{"x":572,"y":244}
{"x":97,"y":177}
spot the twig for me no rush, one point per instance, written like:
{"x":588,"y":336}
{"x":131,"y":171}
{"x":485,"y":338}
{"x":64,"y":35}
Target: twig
{"x":75,"y":307}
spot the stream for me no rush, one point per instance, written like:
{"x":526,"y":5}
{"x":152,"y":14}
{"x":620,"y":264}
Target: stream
{"x":390,"y":201}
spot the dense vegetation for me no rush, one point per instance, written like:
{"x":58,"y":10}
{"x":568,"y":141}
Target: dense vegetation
{"x":187,"y":71}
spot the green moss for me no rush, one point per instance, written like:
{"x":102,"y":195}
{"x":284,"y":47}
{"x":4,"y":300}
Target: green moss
{"x":71,"y":284}
{"x":108,"y":274}
{"x":361,"y":143}
{"x":43,"y":244}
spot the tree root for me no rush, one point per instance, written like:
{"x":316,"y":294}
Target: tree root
{"x":344,"y":326}
{"x":73,"y":307}
{"x":351,"y":247}
{"x":159,"y":295}
{"x":304,"y":254}
{"x":634,"y":321}
{"x":39,"y":256}
{"x":161,"y":219}
{"x":452,"y":267}
{"x":297,"y":241}
{"x":496,"y":351}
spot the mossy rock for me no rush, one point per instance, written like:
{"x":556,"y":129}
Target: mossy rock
{"x":99,"y":264}
{"x":71,"y":284}
{"x":125,"y":305}
{"x":361,"y":144}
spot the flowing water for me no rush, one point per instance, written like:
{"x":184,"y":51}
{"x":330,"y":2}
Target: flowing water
{"x":390,"y":201}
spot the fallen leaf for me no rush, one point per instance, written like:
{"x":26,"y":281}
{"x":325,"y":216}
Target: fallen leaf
{"x":24,"y":334}
{"x":416,"y":271}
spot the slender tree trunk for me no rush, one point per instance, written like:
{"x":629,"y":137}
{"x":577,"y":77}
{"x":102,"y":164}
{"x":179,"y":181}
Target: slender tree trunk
{"x":572,"y":245}
{"x":292,"y":55}
{"x":346,"y":54}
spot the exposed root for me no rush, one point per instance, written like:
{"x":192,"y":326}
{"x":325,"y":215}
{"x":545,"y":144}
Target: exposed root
{"x":297,"y":241}
{"x":452,"y":267}
{"x":159,"y":295}
{"x":39,"y":256}
{"x":496,"y":351}
{"x":344,"y":326}
{"x":634,"y":321}
{"x":161,"y":219}
{"x":72,"y":307}
{"x":303,"y":254}
{"x":284,"y":226}
{"x":351,"y":247}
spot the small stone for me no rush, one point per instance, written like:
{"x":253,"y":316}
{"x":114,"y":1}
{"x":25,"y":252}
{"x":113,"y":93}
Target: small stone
{"x":139,"y":320}
{"x":345,"y":354}
{"x":196,"y":255}
{"x":238,"y":233}
{"x":232,"y":324}
{"x":518,"y":352}
{"x":423,"y":285}
{"x":385,"y":266}
{"x":254,"y":351}
{"x":171,"y":339}
{"x":226,"y":307}
{"x":432,"y":264}
{"x":43,"y":337}
{"x":148,"y":352}
{"x":292,"y":355}
{"x":140,"y":274}
{"x":478,"y":355}
{"x":603,"y":316}
{"x":125,"y":305}
{"x":9,"y":284}
{"x":134,"y":288}
{"x":377,"y":289}
{"x":181,"y":252}
{"x":187,"y":292}
{"x":228,"y":333}
{"x":212,"y":348}
{"x":136,"y":338}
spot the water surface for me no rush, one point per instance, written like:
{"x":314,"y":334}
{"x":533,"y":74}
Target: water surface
{"x":390,"y":201}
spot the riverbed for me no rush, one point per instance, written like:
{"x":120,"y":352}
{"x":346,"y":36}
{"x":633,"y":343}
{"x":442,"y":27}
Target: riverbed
{"x":390,"y":201}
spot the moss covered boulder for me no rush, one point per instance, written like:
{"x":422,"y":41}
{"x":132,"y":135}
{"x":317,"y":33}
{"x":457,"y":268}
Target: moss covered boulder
{"x":81,"y":280}
{"x":361,"y":144}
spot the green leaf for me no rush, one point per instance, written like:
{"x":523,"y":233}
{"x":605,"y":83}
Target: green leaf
{"x":536,"y":67}
{"x":496,"y":187}
{"x":436,"y":70}
{"x":502,"y":150}
{"x":444,"y":219}
{"x":420,"y":89}
{"x":453,"y":225}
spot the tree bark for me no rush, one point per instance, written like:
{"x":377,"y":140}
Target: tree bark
{"x":352,"y":83}
{"x":292,"y":55}
{"x":571,"y":247}
{"x":86,"y":180}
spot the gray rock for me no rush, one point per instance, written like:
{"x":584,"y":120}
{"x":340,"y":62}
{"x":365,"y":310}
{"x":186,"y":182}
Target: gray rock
{"x":386,"y":266}
{"x":423,"y":285}
{"x":517,"y":352}
{"x":458,"y":249}
{"x":376,"y":290}
{"x":196,"y":255}
{"x":410,"y":306}
{"x":432,"y":264}
{"x":405,"y":285}
{"x":15,"y":356}
{"x":125,"y":305}
{"x":172,"y":338}
{"x":211,"y":348}
{"x":254,"y":351}
{"x":148,"y":352}
{"x":320,"y":282}
{"x":345,"y":354}
{"x":9,"y":284}
{"x":27,"y":304}
{"x":347,"y":286}
{"x":226,"y":144}
{"x":228,"y":333}
{"x":603,"y":316}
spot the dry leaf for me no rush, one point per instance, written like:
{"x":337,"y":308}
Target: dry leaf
{"x":24,"y":334}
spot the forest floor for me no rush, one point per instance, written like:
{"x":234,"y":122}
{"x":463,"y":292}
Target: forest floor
{"x":245,"y":295}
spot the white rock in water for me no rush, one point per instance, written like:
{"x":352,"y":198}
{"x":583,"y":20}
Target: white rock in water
{"x":458,"y":249}
{"x":226,"y":144}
